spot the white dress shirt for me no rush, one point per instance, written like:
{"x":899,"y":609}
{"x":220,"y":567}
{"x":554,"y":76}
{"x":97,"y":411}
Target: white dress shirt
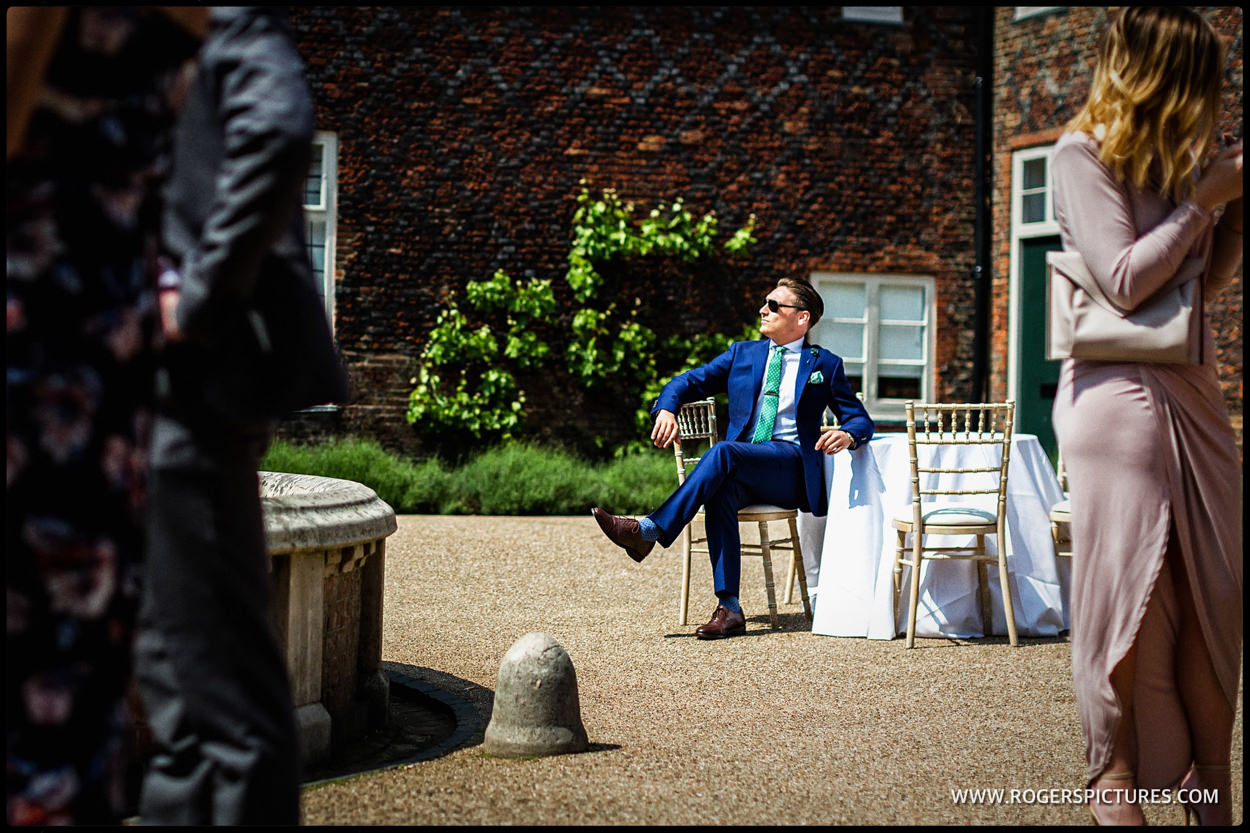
{"x":786,"y":427}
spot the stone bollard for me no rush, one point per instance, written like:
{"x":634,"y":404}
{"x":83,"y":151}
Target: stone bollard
{"x":536,"y":708}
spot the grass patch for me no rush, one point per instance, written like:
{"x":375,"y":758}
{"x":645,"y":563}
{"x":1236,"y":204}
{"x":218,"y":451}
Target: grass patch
{"x":512,"y":479}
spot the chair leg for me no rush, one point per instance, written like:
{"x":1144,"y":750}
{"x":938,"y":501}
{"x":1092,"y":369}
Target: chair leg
{"x":1009,"y":608}
{"x":917,"y":547}
{"x":768,"y":576}
{"x":796,"y":565}
{"x":683,"y":610}
{"x":983,"y":597}
{"x":981,"y":574}
{"x":899,"y":546}
{"x":792,"y":570}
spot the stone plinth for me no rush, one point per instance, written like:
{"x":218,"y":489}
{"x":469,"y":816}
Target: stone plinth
{"x":327,"y":543}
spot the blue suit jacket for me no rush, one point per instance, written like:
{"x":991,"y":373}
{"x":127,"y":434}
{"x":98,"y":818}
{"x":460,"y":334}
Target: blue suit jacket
{"x":739,"y":371}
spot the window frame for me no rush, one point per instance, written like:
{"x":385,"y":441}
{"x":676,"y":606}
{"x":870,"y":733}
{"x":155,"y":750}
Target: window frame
{"x":1038,"y":228}
{"x":1026,"y":12}
{"x":1020,"y":230}
{"x":325,"y":210}
{"x":890,"y":15}
{"x":882,"y":408}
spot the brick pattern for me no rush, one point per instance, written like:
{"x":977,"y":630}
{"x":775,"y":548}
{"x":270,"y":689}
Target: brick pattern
{"x":464,"y":132}
{"x":1043,"y":69}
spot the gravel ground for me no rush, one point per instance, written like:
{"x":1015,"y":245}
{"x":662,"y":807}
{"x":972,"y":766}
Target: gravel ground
{"x":774,"y":727}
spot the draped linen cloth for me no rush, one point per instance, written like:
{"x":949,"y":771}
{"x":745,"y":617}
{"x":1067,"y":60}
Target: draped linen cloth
{"x":1150,"y":454}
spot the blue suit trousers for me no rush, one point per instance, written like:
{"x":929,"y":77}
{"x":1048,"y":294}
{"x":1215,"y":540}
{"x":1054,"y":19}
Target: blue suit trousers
{"x":732,"y":475}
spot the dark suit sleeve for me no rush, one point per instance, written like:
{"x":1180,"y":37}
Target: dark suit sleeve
{"x":700,"y":383}
{"x":852,"y":416}
{"x":266,"y":112}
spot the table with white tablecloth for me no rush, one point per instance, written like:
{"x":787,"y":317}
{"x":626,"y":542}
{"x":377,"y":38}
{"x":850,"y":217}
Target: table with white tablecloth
{"x":849,"y":554}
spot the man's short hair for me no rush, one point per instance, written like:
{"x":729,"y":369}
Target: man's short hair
{"x":807,"y":296}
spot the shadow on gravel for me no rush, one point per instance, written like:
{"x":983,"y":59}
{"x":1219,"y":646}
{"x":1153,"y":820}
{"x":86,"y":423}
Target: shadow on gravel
{"x":431,"y":715}
{"x":757,"y":625}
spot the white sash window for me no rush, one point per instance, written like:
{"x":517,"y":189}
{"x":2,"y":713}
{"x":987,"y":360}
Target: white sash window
{"x":320,"y":199}
{"x":882,"y":328}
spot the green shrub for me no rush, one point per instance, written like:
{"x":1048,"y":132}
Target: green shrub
{"x":639,"y":481}
{"x":406,"y":486}
{"x":520,"y":479}
{"x":510,"y":479}
{"x":430,"y":487}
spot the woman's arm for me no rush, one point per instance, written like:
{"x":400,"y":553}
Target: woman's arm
{"x":1094,"y":210}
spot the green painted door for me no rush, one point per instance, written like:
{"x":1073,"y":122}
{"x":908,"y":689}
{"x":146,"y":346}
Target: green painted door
{"x":1038,"y":376}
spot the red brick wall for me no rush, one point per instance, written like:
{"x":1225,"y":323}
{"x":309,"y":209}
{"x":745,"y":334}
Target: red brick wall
{"x":464,"y":132}
{"x":1043,"y":69}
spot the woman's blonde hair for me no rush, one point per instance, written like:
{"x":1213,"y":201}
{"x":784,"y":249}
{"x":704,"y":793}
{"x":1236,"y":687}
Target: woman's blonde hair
{"x":1156,"y":97}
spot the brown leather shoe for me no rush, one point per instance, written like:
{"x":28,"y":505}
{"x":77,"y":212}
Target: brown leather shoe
{"x":624,"y":532}
{"x":725,"y":622}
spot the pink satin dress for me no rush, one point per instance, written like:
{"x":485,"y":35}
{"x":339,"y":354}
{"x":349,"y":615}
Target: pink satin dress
{"x":1150,"y":454}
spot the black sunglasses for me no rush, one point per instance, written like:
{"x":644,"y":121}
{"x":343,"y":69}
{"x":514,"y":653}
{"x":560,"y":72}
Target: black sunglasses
{"x":773,"y":306}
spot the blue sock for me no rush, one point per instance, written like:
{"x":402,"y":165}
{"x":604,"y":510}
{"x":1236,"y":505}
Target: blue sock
{"x":730,"y":602}
{"x":650,"y":532}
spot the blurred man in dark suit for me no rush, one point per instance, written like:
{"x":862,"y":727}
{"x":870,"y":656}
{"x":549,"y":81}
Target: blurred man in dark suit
{"x":247,"y":341}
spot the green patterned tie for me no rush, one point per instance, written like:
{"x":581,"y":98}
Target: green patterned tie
{"x":768,"y":410}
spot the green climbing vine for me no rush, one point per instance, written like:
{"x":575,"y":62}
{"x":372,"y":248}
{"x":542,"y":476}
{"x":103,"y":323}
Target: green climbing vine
{"x":467,"y":378}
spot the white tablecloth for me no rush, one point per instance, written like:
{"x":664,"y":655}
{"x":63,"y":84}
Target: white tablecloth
{"x":849,"y":554}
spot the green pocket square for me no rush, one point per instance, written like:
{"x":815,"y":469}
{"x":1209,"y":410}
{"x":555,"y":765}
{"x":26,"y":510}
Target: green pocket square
{"x":816,"y":378}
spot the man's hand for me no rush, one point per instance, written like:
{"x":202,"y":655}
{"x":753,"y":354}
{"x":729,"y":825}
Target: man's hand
{"x":831,"y":442}
{"x":665,"y":430}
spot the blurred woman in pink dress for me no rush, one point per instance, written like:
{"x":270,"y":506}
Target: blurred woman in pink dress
{"x":1152,"y":461}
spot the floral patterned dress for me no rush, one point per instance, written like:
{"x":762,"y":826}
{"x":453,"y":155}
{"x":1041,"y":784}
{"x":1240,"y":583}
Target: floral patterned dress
{"x":81,"y":234}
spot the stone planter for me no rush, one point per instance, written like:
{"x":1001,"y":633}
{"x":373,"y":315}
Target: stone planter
{"x":327,"y":544}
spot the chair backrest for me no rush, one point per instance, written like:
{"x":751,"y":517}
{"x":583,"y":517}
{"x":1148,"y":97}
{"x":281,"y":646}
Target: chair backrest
{"x":696,"y":423}
{"x":935,"y":424}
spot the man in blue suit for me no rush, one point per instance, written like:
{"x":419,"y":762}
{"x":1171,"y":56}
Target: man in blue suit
{"x":779,"y":388}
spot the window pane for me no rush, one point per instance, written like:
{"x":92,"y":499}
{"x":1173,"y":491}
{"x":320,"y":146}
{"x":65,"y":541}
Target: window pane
{"x":1034,"y":174}
{"x":900,"y":383}
{"x":312,"y":185}
{"x":902,"y":303}
{"x":843,"y":300}
{"x":1023,"y":12}
{"x":893,"y":388}
{"x":317,"y":251}
{"x":901,"y":342}
{"x":873,"y":14}
{"x":1033,"y":207}
{"x":846,"y":340}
